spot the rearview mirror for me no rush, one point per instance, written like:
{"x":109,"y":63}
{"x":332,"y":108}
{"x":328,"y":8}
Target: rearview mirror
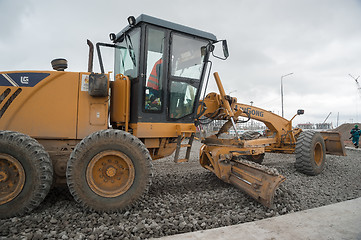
{"x":217,"y":52}
{"x":225,"y":48}
{"x":300,"y":111}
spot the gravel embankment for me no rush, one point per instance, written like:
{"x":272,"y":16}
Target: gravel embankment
{"x":185,"y":197}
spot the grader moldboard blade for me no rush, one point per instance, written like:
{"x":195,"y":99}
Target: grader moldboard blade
{"x":223,"y":158}
{"x":333,"y":143}
{"x":260,"y":182}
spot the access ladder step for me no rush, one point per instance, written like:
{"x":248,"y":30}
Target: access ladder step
{"x":181,"y":160}
{"x":179,"y":145}
{"x":186,"y":145}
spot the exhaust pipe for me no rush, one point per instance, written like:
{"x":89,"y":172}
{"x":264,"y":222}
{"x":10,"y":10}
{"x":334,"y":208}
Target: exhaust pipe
{"x":91,"y":55}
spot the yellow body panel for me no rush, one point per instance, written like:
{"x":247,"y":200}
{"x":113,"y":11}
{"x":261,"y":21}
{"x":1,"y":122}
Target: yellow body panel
{"x":92,"y":112}
{"x":47,"y":110}
{"x":120,"y":101}
{"x":162,"y":130}
{"x":58,"y":107}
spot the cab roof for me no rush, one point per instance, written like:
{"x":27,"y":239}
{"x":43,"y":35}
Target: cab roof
{"x":143,"y":18}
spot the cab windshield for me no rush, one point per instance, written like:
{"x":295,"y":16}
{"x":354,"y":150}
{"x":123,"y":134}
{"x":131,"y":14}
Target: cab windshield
{"x":127,"y":54}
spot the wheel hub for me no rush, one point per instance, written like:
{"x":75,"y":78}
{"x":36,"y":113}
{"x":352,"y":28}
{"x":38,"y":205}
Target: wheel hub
{"x":318,"y":154}
{"x":110,"y":173}
{"x":12,"y":178}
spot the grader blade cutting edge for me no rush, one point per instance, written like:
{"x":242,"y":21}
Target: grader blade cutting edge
{"x":259,"y":182}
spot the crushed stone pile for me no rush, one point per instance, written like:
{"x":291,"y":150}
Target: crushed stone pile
{"x":345,"y":130}
{"x":184,"y":198}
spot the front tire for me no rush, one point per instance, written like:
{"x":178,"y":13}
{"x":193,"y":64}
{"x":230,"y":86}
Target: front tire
{"x":310,"y":153}
{"x":26,"y":174}
{"x":109,"y":171}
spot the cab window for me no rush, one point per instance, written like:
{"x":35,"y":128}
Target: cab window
{"x":187,"y":66}
{"x":182,"y":99}
{"x":154,"y":72}
{"x":127,"y":54}
{"x":187,"y":57}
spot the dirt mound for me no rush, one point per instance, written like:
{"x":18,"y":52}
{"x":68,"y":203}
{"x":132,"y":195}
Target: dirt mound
{"x":345,"y":130}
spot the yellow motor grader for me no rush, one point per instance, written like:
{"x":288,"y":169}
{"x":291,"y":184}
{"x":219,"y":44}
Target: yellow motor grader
{"x":99,"y":136}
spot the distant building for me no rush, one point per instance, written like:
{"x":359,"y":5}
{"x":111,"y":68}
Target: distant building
{"x":306,"y":125}
{"x":324,"y":126}
{"x":317,"y":126}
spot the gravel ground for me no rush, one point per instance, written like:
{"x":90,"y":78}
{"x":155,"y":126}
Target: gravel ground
{"x":185,"y":197}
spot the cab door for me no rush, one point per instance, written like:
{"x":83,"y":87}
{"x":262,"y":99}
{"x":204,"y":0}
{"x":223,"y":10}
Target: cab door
{"x":155,"y":82}
{"x":186,"y":71}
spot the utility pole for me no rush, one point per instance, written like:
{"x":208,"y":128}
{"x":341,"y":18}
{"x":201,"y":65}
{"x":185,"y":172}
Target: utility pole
{"x":282,"y":90}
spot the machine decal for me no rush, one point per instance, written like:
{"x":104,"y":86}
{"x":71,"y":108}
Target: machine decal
{"x":22,"y":79}
{"x":9,"y":101}
{"x":4,"y":95}
{"x":84,"y":83}
{"x":252,"y":111}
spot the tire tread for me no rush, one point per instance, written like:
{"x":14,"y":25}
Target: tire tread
{"x":304,"y":159}
{"x":42,"y":164}
{"x":99,"y":137}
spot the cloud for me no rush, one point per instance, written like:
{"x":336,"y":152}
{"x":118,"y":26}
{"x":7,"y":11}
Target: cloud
{"x":12,"y":18}
{"x":319,"y":41}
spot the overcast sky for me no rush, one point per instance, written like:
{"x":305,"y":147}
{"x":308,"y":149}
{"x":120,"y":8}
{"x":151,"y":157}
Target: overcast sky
{"x":318,"y":41}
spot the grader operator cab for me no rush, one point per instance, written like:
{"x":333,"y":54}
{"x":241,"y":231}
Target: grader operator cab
{"x":100,"y":136}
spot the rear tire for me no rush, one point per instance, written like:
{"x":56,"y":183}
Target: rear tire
{"x":108,"y":171}
{"x":310,"y":153}
{"x":256,"y":158}
{"x":26,"y":174}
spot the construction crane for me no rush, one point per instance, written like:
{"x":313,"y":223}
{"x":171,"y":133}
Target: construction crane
{"x":357,"y":83}
{"x":327,"y":117}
